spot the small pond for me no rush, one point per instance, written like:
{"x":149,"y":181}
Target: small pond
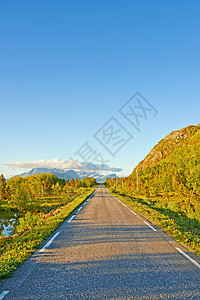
{"x":7,"y":225}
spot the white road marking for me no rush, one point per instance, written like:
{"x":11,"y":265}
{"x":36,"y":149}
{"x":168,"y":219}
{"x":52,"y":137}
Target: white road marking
{"x":80,"y":208}
{"x":133,"y":212}
{"x":49,"y":242}
{"x":126,"y":206}
{"x":150,"y":226}
{"x":71,"y":218}
{"x":189,"y":258}
{"x":3,"y":294}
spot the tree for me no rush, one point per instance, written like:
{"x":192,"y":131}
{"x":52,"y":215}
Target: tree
{"x":20,"y":196}
{"x":79,"y":183}
{"x":2,"y":188}
{"x":67,"y":185}
{"x":72,"y":183}
{"x":56,"y":189}
{"x":47,"y":186}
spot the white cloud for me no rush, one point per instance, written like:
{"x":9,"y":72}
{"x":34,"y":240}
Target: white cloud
{"x":50,"y":164}
{"x":63,"y":164}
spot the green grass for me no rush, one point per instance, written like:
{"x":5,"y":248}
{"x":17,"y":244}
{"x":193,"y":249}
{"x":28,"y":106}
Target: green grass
{"x":6,"y":214}
{"x":17,"y":248}
{"x":183,"y":229}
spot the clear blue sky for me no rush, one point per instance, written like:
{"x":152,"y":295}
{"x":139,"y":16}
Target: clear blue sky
{"x":66,"y":67}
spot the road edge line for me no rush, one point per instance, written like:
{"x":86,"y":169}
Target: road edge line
{"x":3,"y":294}
{"x":188,"y":257}
{"x":49,"y":242}
{"x":150,"y":226}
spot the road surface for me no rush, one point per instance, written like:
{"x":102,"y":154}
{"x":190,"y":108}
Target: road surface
{"x":106,"y":251}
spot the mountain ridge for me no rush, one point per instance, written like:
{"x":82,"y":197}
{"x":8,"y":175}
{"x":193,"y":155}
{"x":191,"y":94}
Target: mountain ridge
{"x":167,"y":145}
{"x":68,"y":174}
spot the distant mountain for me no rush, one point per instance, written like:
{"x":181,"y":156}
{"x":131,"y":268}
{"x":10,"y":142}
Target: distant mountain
{"x":59,"y":173}
{"x":69,"y":174}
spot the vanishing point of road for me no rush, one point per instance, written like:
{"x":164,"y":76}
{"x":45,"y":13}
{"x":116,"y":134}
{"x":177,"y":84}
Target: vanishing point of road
{"x":104,"y":250}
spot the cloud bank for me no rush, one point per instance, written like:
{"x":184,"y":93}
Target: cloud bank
{"x":64,"y":165}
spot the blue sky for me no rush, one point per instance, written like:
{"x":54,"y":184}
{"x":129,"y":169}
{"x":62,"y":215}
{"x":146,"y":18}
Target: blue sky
{"x":66,"y":68}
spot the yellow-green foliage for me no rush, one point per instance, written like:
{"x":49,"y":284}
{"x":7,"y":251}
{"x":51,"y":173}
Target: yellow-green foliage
{"x":167,"y":183}
{"x":39,"y":193}
{"x":31,"y":232}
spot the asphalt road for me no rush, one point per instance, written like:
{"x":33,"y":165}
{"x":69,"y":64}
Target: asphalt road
{"x":106,"y":251}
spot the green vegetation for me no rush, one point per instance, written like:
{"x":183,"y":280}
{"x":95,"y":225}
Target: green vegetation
{"x":43,"y":202}
{"x":39,"y":193}
{"x":165,"y":186}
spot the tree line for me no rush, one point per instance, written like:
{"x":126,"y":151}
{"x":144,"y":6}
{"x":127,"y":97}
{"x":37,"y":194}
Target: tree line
{"x":30,"y":193}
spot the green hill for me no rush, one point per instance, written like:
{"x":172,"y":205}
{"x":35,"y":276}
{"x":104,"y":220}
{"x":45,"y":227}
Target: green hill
{"x":165,"y":186}
{"x":187,"y":139}
{"x":172,"y":168}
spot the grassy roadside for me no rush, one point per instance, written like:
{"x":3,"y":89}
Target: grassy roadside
{"x":17,"y":248}
{"x":184,"y":230}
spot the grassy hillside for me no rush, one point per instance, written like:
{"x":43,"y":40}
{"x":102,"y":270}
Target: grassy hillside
{"x":168,"y":181}
{"x":171,"y":169}
{"x":187,"y":138}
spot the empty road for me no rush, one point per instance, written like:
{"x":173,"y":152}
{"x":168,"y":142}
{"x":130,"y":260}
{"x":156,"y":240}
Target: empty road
{"x":106,"y":251}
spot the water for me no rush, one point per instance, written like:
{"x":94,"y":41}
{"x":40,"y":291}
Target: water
{"x":7,"y":226}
